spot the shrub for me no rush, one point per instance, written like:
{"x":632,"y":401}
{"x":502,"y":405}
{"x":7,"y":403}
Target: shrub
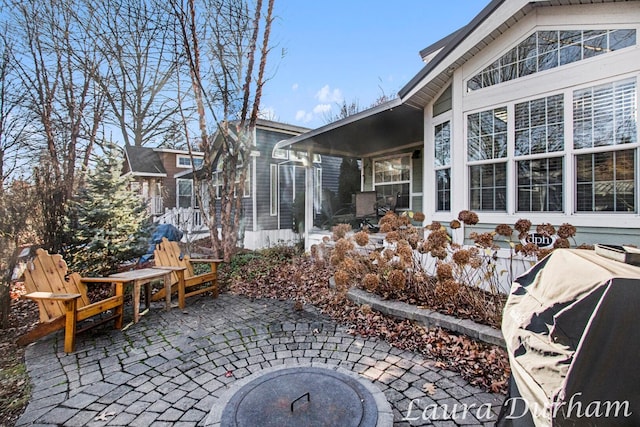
{"x":457,"y":279}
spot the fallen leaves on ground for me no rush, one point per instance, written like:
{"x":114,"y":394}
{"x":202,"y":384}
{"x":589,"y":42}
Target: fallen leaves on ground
{"x":303,"y":281}
{"x":14,"y":381}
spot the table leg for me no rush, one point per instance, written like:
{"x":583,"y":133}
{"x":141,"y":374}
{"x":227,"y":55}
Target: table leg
{"x":147,"y":294}
{"x":167,"y":290}
{"x":136,"y":301}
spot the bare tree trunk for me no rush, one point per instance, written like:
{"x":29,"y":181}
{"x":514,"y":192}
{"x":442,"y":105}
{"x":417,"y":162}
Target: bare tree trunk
{"x":5,"y":287}
{"x":233,"y":33}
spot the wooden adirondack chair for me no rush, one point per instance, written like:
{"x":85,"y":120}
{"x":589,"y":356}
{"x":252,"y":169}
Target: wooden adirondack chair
{"x":63,"y":302}
{"x":186,"y":282}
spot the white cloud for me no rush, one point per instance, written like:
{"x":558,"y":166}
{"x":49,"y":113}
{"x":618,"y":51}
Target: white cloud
{"x":303,"y":116}
{"x":294,"y":86}
{"x":328,"y":95}
{"x":321,"y":108}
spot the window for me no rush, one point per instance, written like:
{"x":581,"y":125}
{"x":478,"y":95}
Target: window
{"x":539,"y":126}
{"x":185,"y":193}
{"x":280,"y":153}
{"x":540,"y":186}
{"x":544,"y":50}
{"x":488,"y":187}
{"x":247,"y":181}
{"x":185,"y":161}
{"x":299,"y":156}
{"x":487,"y":152}
{"x":598,"y":169}
{"x":606,"y":182}
{"x":442,"y":156}
{"x":216,"y":178}
{"x":317,"y":193}
{"x":539,"y":130}
{"x":391,"y":180}
{"x":273,"y":196}
{"x":487,"y":134}
{"x":605,"y":115}
{"x":605,"y":124}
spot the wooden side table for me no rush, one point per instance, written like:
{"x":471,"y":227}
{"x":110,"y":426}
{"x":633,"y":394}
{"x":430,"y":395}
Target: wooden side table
{"x":144,"y":277}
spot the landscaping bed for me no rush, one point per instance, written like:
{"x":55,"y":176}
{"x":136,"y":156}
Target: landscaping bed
{"x":289,"y":276}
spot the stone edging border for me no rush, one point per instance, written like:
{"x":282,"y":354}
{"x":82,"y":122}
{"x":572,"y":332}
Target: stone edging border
{"x":428,"y":318}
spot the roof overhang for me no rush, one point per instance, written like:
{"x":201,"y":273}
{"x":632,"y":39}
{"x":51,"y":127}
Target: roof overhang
{"x":146,"y":174}
{"x":388,"y":127}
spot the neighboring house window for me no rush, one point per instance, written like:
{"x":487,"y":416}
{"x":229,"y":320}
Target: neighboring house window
{"x":298,"y":156}
{"x":185,"y":193}
{"x":605,"y":125}
{"x":280,"y":153}
{"x":217,"y":182}
{"x":539,"y":132}
{"x":392,"y":179}
{"x":487,"y":156}
{"x":273,"y":196}
{"x":442,"y":166}
{"x":544,"y":50}
{"x":185,"y":161}
{"x":247,"y":182}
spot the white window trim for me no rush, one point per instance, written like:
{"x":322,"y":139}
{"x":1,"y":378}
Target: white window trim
{"x":193,"y":202}
{"x":410,"y":181}
{"x":188,"y":158}
{"x":317,"y":194}
{"x":432,"y":169}
{"x":579,"y":27}
{"x":578,"y":218}
{"x":274,"y":190}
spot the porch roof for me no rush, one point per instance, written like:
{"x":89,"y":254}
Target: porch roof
{"x":387,"y":127}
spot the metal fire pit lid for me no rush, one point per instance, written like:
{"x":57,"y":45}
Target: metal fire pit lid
{"x":318,"y":395}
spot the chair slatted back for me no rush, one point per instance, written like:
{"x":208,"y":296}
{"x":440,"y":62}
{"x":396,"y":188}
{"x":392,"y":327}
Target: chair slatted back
{"x":48,"y":273}
{"x":167,"y":254}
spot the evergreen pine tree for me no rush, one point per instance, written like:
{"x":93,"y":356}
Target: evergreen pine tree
{"x":110,"y":222}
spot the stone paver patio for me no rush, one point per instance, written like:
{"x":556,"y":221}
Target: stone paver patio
{"x":171,"y":368}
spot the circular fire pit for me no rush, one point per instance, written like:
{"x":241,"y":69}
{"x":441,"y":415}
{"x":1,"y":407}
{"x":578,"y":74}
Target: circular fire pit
{"x":318,"y":395}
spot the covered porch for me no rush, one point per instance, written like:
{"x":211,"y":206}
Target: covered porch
{"x":389,"y":141}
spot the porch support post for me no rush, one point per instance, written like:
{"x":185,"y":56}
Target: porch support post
{"x":308,"y":200}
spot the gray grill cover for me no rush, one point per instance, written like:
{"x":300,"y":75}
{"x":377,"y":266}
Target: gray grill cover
{"x":570,"y":327}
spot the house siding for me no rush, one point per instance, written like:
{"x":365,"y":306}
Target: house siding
{"x":266,"y":140}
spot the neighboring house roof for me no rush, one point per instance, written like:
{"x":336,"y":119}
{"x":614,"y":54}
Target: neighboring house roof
{"x":430,"y":51}
{"x":144,"y":161}
{"x":280,"y":127}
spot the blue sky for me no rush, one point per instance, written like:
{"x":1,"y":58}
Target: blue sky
{"x":351,"y":50}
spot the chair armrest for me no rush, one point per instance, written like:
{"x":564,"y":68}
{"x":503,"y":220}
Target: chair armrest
{"x":217,"y":261}
{"x":51,"y":296}
{"x":168,"y":267}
